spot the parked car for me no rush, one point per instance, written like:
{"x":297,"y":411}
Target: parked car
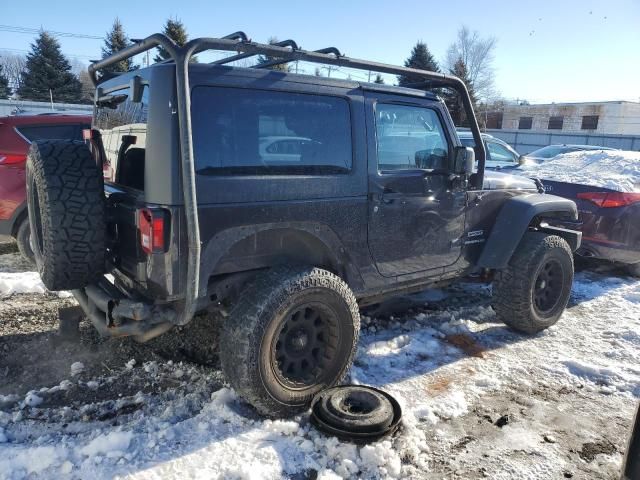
{"x":547,"y":153}
{"x":606,"y":187}
{"x":16,"y":134}
{"x":500,"y":155}
{"x":383,"y":199}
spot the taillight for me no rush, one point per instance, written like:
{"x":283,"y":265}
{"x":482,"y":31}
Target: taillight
{"x":610,"y":199}
{"x":151,"y":227}
{"x":9,"y":159}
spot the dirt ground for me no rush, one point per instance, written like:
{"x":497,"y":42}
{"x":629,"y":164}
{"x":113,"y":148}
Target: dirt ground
{"x":583,"y":428}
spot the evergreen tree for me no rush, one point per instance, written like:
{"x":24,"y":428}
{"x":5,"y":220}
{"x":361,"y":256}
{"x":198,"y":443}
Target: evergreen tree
{"x":175,"y":30}
{"x":420,"y":58}
{"x":4,"y":85}
{"x":115,"y":41}
{"x":378,"y":79}
{"x":282,"y":67}
{"x":47,"y":70}
{"x":453,"y":100}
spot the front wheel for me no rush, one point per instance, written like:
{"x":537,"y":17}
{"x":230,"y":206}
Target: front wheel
{"x":533,"y":291}
{"x":292,"y":334}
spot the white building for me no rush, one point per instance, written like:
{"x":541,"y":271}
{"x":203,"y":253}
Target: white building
{"x":611,"y":118}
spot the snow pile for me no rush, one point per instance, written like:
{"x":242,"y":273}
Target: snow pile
{"x":612,"y":169}
{"x":24,"y":282}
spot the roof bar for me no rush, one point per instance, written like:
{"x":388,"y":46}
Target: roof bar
{"x":239,"y":35}
{"x":240,"y":56}
{"x":279,"y":61}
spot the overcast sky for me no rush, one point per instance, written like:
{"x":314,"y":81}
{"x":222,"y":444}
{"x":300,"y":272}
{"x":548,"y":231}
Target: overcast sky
{"x":546,"y":50}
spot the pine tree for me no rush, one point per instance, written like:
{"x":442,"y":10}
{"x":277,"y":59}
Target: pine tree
{"x":452,"y":98}
{"x":281,"y":67}
{"x":48,"y":73}
{"x":4,"y":85}
{"x":420,"y":58}
{"x":379,"y":79}
{"x":175,"y":30}
{"x":114,"y":41}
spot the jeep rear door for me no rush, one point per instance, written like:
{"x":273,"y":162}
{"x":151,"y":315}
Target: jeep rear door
{"x":416,"y":204}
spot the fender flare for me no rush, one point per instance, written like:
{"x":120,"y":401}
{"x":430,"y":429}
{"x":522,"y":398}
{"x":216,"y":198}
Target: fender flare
{"x":220,"y":245}
{"x":514,"y":220}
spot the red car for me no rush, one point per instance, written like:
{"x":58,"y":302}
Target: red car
{"x":16,"y":134}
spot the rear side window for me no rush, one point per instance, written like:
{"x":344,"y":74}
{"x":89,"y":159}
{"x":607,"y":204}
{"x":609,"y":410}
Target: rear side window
{"x":52,"y":132}
{"x":244,"y":131}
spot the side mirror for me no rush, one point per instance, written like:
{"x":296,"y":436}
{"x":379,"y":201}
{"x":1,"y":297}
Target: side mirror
{"x":465,"y":160}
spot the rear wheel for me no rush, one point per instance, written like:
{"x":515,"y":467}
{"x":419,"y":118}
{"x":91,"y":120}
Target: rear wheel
{"x":533,"y":291}
{"x":292,"y":334}
{"x":23,"y":238}
{"x":65,"y":195}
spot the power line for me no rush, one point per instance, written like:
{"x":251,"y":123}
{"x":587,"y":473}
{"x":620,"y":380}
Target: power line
{"x":31,"y":31}
{"x":74,"y":55}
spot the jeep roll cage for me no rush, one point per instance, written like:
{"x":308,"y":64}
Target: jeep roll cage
{"x":284,"y":52}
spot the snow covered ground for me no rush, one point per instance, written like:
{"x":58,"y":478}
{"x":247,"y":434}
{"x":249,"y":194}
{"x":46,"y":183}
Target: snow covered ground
{"x":478,"y":400}
{"x":614,"y":169}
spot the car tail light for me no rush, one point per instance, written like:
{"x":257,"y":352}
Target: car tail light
{"x":10,"y":159}
{"x":610,"y":199}
{"x":151,"y":224}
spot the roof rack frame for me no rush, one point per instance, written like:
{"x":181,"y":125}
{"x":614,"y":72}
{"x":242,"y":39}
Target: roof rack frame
{"x":240,"y":43}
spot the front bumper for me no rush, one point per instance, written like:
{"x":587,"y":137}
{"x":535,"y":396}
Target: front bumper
{"x":114,"y":314}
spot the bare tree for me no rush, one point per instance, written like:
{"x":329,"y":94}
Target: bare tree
{"x":476,"y":53}
{"x":13,"y":66}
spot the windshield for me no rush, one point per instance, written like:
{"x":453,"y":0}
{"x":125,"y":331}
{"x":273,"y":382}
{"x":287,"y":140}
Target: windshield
{"x":551,"y":151}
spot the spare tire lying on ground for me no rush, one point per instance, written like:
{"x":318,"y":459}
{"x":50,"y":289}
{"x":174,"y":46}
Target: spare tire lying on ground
{"x":65,"y":195}
{"x":355,"y":413}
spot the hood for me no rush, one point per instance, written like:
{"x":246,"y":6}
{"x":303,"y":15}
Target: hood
{"x":504,"y":181}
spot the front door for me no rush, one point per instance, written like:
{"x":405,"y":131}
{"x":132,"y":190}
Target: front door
{"x":416,"y":203}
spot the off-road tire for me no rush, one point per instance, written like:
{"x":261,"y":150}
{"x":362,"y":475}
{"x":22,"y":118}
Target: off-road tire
{"x":65,"y":194}
{"x":634,"y":269}
{"x":23,"y":236}
{"x":253,"y":326}
{"x":514,"y":287}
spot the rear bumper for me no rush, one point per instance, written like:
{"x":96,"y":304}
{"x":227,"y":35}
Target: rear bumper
{"x":612,"y":251}
{"x":114,"y":314}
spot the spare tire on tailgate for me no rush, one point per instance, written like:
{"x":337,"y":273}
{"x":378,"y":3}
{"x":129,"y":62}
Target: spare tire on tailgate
{"x":65,"y":195}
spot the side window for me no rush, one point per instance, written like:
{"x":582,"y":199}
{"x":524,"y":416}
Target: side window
{"x":123,"y":130}
{"x":410,"y":137}
{"x":499,"y":153}
{"x":243,"y":131}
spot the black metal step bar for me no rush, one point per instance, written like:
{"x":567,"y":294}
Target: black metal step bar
{"x":239,"y":42}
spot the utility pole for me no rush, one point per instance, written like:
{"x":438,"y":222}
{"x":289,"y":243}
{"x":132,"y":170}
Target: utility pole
{"x":369,"y":77}
{"x":329,"y":68}
{"x":51,"y":98}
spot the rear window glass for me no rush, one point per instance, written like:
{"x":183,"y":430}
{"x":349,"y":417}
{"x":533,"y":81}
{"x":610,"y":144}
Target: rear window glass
{"x":53,"y":132}
{"x":122,"y":124}
{"x":243,"y":131}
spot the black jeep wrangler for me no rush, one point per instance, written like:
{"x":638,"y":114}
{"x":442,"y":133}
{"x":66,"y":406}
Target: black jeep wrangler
{"x":285,"y":202}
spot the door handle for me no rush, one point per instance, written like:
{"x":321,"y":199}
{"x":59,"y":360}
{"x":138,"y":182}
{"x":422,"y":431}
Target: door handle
{"x":389,"y":196}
